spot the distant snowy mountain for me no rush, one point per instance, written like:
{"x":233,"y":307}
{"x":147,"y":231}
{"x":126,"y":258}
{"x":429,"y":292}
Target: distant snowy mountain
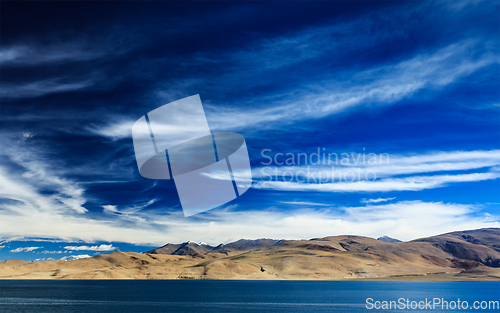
{"x":388,"y":239}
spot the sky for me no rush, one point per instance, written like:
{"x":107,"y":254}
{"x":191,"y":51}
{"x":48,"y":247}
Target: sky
{"x":365,"y":118}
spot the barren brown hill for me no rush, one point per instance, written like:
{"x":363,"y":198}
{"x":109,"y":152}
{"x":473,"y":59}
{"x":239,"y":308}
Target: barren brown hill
{"x":467,"y":255}
{"x":481,"y":245}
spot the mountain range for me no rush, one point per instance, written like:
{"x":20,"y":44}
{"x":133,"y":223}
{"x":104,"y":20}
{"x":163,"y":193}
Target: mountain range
{"x":461,"y":255}
{"x":193,"y":248}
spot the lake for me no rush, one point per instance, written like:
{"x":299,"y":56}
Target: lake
{"x":111,"y":296}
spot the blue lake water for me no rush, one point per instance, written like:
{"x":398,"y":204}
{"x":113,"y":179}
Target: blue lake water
{"x":236,"y":296}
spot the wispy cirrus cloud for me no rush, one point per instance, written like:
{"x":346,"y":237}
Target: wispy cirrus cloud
{"x":128,"y":209}
{"x":43,"y":87}
{"x":378,"y":200}
{"x":322,"y":94}
{"x":117,"y":130}
{"x":51,"y":50}
{"x":29,"y":55}
{"x":24,"y":249}
{"x":37,"y":187}
{"x":34,"y":54}
{"x":335,"y":39}
{"x":40,"y":204}
{"x":378,"y":86}
{"x":305,"y":203}
{"x":384,"y":85}
{"x":52,"y":252}
{"x":39,"y":201}
{"x":384,"y":165}
{"x":358,"y":172}
{"x":413,"y":183}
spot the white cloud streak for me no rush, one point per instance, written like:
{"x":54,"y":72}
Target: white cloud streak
{"x":35,"y":54}
{"x":42,"y":87}
{"x":75,"y":257}
{"x":380,"y":176}
{"x":388,"y":165}
{"x":414,"y":183}
{"x":25,"y":249}
{"x":52,"y":252}
{"x":370,"y":201}
{"x":16,"y":238}
{"x":31,"y":54}
{"x":305,"y":203}
{"x":91,"y":248}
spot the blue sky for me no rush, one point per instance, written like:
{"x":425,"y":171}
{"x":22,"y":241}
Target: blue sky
{"x":416,"y":81}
